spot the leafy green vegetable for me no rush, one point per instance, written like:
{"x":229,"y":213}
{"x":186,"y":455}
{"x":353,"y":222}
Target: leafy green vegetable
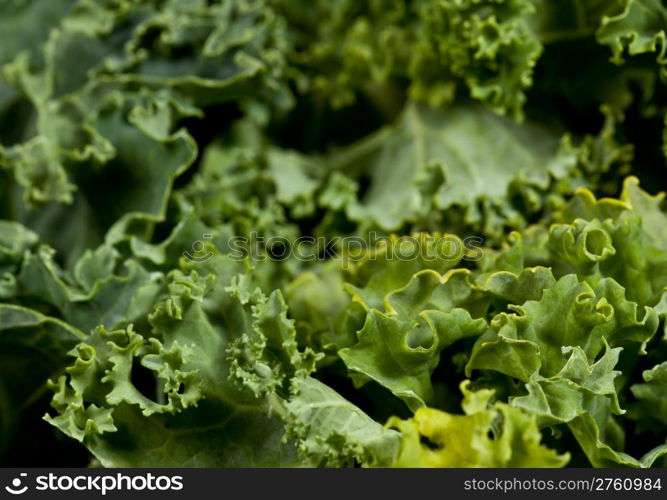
{"x":278,"y":233}
{"x":496,"y":435}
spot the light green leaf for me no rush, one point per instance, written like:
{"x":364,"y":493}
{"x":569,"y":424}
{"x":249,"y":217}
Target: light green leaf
{"x":480,"y":159}
{"x":487,"y":435}
{"x":400,"y":349}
